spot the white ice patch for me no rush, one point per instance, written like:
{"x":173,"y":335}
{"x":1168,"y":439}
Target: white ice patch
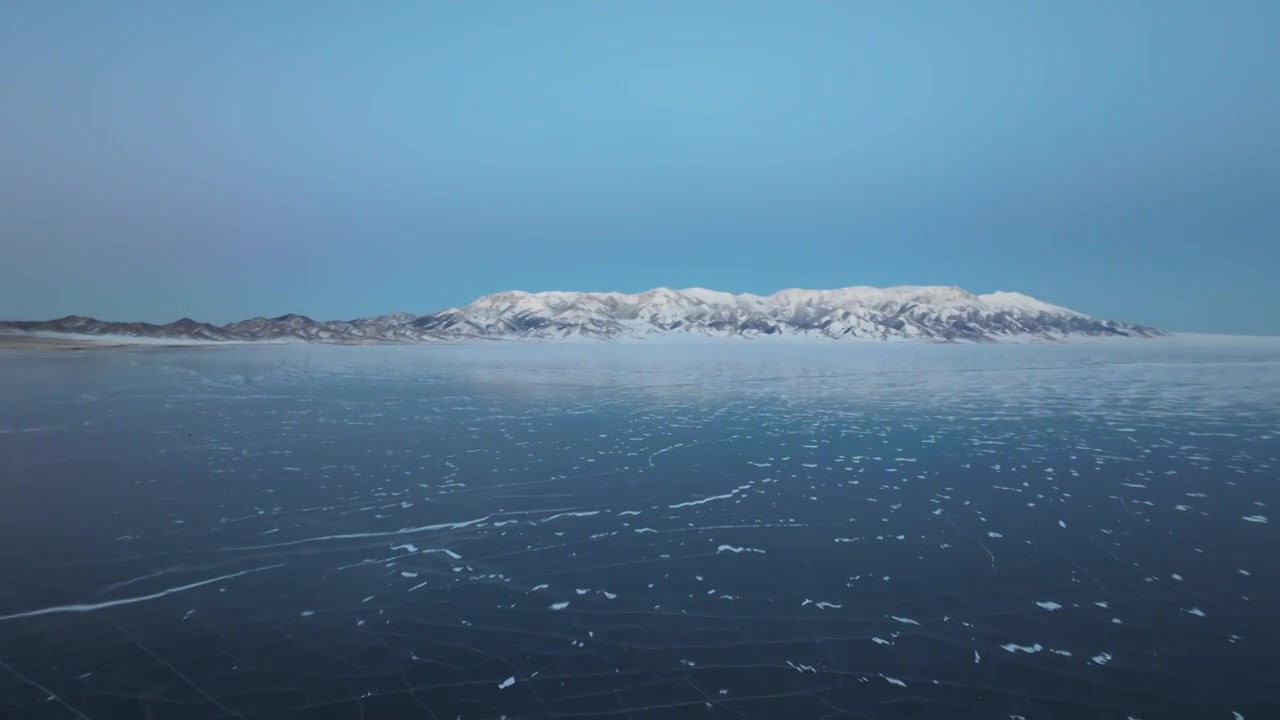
{"x":1015,"y":648}
{"x":733,"y":549}
{"x":506,"y":683}
{"x":559,"y":605}
{"x":446,"y":551}
{"x":1049,"y":605}
{"x":894,"y":681}
{"x":582,"y":513}
{"x":710,"y":498}
{"x":903,"y":620}
{"x":1194,"y":611}
{"x":1254,"y":518}
{"x":1101,"y":659}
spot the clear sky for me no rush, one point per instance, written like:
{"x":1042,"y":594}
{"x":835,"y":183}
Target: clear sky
{"x":228,"y":159}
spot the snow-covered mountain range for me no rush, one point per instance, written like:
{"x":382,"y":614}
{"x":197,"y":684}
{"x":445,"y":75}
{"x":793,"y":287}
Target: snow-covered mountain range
{"x":929,"y":313}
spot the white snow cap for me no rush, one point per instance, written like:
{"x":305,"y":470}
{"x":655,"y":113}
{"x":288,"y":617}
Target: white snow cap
{"x":666,"y":301}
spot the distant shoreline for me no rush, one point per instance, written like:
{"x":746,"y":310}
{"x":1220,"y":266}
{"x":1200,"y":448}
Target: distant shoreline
{"x":24,"y":341}
{"x":54,"y":341}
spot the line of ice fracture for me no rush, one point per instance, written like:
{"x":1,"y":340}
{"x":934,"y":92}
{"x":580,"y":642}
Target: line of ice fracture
{"x":357,"y":536}
{"x":91,"y":607}
{"x":52,"y":695}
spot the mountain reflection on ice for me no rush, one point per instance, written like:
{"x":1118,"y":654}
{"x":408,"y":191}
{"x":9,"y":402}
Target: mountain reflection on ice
{"x":637,"y":531}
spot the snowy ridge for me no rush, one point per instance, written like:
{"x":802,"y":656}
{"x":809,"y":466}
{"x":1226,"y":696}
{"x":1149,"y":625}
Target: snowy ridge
{"x":909,"y":312}
{"x":922,"y":313}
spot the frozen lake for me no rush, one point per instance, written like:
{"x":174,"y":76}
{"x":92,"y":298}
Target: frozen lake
{"x":635,"y":531}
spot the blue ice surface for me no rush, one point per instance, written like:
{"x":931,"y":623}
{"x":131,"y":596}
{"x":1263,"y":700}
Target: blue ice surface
{"x":641,"y":530}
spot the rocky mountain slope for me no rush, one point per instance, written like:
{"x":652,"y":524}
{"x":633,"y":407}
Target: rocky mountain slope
{"x":932,"y":313}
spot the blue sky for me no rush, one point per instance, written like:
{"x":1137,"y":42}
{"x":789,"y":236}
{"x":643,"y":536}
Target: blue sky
{"x":230,"y":159}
